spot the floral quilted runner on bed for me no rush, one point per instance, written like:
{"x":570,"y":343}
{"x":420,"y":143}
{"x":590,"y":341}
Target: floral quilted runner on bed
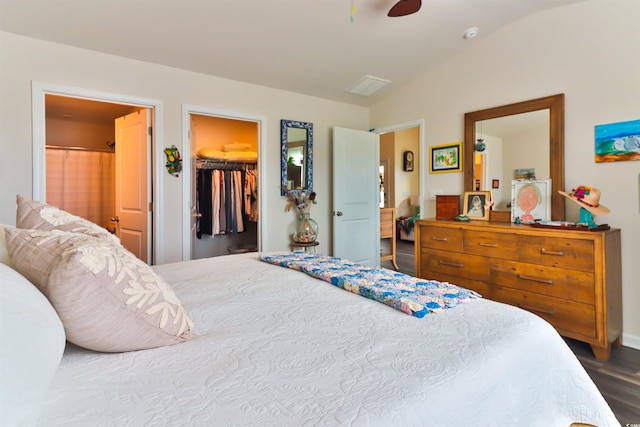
{"x":408,"y":294}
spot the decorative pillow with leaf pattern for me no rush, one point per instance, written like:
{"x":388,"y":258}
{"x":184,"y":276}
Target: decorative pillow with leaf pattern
{"x":108,"y":300}
{"x":41,"y":216}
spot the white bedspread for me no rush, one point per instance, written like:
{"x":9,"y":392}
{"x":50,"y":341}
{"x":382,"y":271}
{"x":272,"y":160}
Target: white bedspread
{"x":279,"y":348}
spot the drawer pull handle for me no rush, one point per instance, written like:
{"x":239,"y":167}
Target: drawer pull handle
{"x":439,"y":239}
{"x":488,"y":245}
{"x":550,"y":312}
{"x":543,"y":251}
{"x":451,"y":264}
{"x":535,"y":279}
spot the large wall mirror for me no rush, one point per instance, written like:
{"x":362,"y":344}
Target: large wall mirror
{"x":524,"y":135}
{"x":297,"y":155}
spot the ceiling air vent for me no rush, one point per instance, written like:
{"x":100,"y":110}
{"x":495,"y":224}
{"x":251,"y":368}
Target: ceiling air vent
{"x":367,"y":85}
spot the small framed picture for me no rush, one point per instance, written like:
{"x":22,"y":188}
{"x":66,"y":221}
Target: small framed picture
{"x":408,"y":161}
{"x":446,"y":158}
{"x":530,"y":200}
{"x":495,"y":183}
{"x":477,"y":205}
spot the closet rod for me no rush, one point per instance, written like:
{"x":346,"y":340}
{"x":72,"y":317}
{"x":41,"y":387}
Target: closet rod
{"x":60,"y":147}
{"x":221,"y":164}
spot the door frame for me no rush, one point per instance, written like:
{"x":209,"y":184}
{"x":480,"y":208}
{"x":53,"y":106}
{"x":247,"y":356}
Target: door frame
{"x":188,"y":164}
{"x":424,"y":158}
{"x":154,"y":180}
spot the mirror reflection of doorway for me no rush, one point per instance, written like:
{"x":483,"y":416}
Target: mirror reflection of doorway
{"x":480,"y":171}
{"x":296,"y":155}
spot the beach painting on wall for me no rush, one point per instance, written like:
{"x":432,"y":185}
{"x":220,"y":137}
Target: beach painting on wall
{"x":618,"y":141}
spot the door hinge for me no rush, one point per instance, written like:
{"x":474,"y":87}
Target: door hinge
{"x":150,"y":206}
{"x":150,"y":131}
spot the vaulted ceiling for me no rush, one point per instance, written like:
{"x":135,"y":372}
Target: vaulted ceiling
{"x":314,"y":47}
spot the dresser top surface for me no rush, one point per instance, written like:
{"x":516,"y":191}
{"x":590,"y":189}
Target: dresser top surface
{"x":510,"y":227}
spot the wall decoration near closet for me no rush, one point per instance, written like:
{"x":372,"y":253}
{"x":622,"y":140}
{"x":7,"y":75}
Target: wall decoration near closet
{"x":225,"y":185}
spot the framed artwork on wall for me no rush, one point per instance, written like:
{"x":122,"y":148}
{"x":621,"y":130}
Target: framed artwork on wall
{"x":618,"y":141}
{"x":477,"y":205}
{"x":530,"y":200}
{"x":446,"y":158}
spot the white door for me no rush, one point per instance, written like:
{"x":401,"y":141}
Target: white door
{"x":356,"y":216}
{"x":133,"y":139}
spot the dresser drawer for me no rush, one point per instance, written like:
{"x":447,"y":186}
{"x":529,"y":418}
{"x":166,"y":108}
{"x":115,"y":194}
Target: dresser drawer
{"x":572,"y":285}
{"x":495,"y":245}
{"x":455,"y":264}
{"x":446,"y":239}
{"x":483,"y":288}
{"x":569,"y":318}
{"x":573,"y":254}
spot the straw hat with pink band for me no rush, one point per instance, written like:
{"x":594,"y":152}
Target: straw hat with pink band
{"x":588,"y":198}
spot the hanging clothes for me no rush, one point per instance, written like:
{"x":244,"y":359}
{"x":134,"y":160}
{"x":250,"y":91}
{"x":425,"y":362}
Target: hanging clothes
{"x":251,"y":194}
{"x":226,"y":199}
{"x":204,"y":202}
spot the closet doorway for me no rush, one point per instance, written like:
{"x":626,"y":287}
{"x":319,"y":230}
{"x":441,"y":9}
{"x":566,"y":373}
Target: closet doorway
{"x":225,"y":214}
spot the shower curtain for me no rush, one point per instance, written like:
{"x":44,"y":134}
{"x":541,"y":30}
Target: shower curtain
{"x":82,"y":182}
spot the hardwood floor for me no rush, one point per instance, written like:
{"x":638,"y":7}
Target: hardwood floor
{"x":618,"y":379}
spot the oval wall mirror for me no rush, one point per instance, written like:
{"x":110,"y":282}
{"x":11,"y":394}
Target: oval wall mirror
{"x":297,"y":155}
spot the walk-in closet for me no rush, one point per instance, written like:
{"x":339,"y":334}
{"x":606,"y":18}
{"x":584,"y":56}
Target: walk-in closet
{"x":225,"y":185}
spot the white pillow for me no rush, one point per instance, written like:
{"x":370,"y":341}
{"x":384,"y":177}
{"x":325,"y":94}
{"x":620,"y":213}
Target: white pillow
{"x":32,"y":341}
{"x":4,"y":254}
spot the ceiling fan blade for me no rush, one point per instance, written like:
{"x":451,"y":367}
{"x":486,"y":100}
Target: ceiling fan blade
{"x":405,"y":7}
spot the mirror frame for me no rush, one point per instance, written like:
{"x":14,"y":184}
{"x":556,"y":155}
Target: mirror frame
{"x":284,"y":125}
{"x":555,"y":104}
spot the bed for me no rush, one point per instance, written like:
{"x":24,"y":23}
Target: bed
{"x":275,"y":346}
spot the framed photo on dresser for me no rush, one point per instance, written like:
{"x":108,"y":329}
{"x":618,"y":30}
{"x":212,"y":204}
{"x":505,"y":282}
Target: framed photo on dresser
{"x":477,"y":205}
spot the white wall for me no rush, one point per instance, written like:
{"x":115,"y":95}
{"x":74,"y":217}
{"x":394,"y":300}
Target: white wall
{"x":23,"y":60}
{"x":589,"y":52}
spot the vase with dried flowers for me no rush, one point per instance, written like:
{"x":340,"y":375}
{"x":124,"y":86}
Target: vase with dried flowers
{"x":306,"y":228}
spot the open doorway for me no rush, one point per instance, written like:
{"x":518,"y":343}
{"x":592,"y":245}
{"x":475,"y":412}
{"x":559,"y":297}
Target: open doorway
{"x":92,"y":149}
{"x":226,"y":191}
{"x":65,"y":118}
{"x":222,"y":151}
{"x":403,"y":185}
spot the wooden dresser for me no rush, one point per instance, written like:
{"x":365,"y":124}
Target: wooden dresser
{"x":572,"y":279}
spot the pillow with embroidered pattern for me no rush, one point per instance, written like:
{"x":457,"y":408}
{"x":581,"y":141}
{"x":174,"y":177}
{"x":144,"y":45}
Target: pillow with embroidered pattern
{"x":41,"y":216}
{"x":108,"y":300}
